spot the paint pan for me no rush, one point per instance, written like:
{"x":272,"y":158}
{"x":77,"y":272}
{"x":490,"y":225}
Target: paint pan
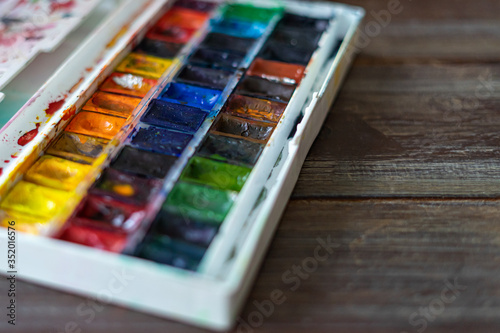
{"x":158,"y":48}
{"x":304,"y":22}
{"x":216,"y":174}
{"x":243,"y":128}
{"x":258,"y":87}
{"x":200,"y":203}
{"x":206,"y":77}
{"x":249,"y":12}
{"x":228,"y":43}
{"x":143,"y":163}
{"x":238,"y":28}
{"x":96,"y":124}
{"x":97,"y":238}
{"x":193,"y":96}
{"x":216,"y":58}
{"x":181,"y":228}
{"x":184,"y":18}
{"x":174,"y":116}
{"x":304,"y":39}
{"x":126,"y":187}
{"x":165,"y":250}
{"x":35,"y":200}
{"x":107,"y":213}
{"x":277,"y":71}
{"x":285,"y":53}
{"x":201,"y":6}
{"x":161,"y":140}
{"x":170,"y":34}
{"x":231,"y":150}
{"x":58,"y":173}
{"x":24,"y":223}
{"x":127,"y":84}
{"x":112,"y":104}
{"x":77,"y":147}
{"x":254,"y":108}
{"x":144,"y":65}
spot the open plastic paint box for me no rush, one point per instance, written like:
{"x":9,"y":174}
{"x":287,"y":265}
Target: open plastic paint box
{"x":160,"y":141}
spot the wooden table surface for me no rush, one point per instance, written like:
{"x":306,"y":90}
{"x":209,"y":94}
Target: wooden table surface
{"x":404,"y":178}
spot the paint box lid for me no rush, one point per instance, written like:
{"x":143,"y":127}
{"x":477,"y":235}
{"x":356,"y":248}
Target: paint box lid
{"x":33,"y":27}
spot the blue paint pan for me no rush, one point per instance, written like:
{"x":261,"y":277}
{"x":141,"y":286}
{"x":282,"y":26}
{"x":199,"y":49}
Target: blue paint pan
{"x":239,"y":28}
{"x":203,"y":98}
{"x":174,"y":116}
{"x":161,"y":140}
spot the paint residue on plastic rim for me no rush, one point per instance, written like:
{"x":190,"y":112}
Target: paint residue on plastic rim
{"x":28,"y":136}
{"x":54,"y":106}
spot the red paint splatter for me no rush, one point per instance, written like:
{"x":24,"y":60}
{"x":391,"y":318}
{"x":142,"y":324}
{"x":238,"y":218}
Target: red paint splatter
{"x":89,"y":69}
{"x":8,"y":40}
{"x":13,"y":156}
{"x":73,"y":89}
{"x":54,"y":106}
{"x":6,"y":161}
{"x":69,"y":113}
{"x":21,"y":3}
{"x":64,"y":6}
{"x":1,"y":171}
{"x":28,"y":136}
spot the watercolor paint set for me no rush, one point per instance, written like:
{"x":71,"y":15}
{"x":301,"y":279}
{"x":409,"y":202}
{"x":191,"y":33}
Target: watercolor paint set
{"x":165,"y":147}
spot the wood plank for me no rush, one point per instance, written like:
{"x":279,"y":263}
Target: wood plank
{"x":393,"y":258}
{"x":424,"y":42}
{"x":429,"y":32}
{"x":390,"y":259}
{"x":421,"y":130}
{"x":442,"y":10}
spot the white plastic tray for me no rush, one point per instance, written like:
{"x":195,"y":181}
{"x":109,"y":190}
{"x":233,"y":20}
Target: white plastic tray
{"x":212,"y":297}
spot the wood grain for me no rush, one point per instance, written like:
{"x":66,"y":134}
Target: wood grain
{"x":404,"y":177}
{"x":393,"y":257}
{"x":420,"y":130}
